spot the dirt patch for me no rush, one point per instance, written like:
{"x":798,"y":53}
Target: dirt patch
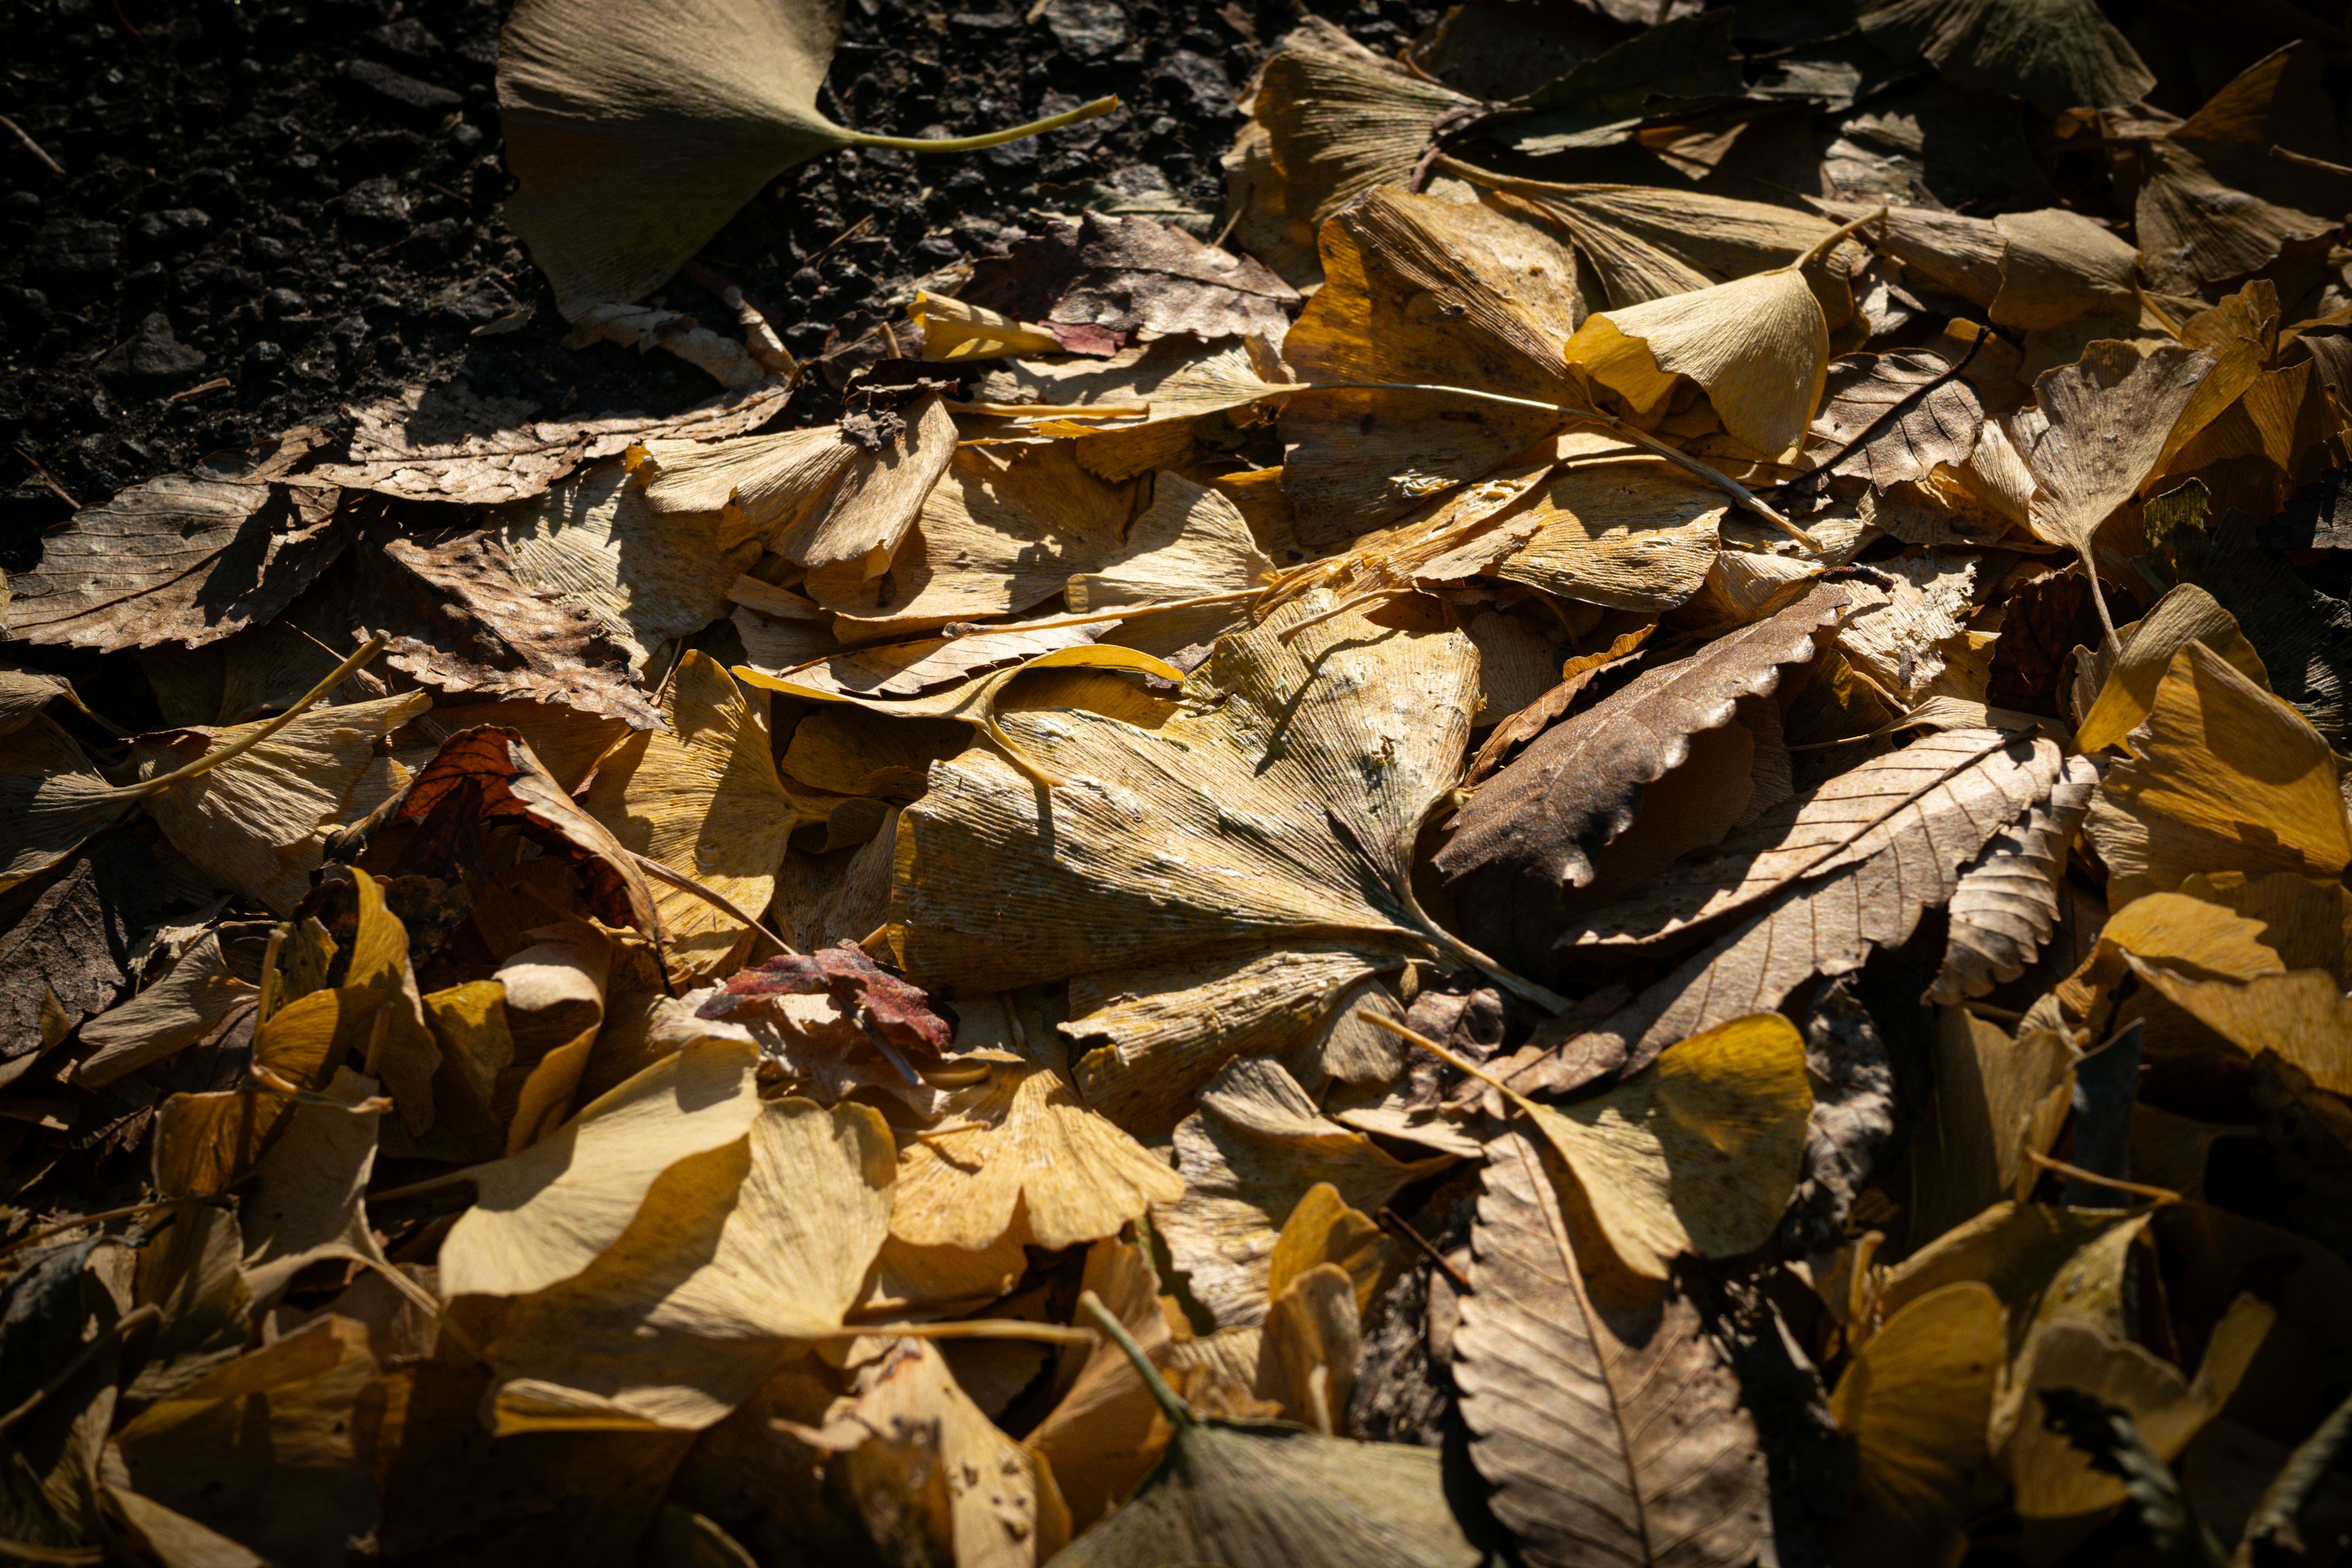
{"x":302,"y":202}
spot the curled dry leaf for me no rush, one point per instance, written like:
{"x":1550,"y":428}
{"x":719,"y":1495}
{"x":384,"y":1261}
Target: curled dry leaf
{"x":448,"y":443}
{"x":881,"y":1001}
{"x":491,"y":773}
{"x":1530,"y":833}
{"x":2006,"y":903}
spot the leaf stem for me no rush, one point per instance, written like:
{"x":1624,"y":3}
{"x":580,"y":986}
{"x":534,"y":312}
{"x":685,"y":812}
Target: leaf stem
{"x":1459,"y":1063}
{"x":1094,"y":110}
{"x":237,"y":747}
{"x":974,"y":1329}
{"x":1179,"y":1414}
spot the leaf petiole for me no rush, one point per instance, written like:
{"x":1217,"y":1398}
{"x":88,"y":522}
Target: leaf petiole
{"x":1085,"y":111}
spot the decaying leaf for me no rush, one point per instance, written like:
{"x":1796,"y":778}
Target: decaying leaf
{"x":1529,"y":833}
{"x":2006,"y":902}
{"x":177,"y":559}
{"x":1602,"y":1412}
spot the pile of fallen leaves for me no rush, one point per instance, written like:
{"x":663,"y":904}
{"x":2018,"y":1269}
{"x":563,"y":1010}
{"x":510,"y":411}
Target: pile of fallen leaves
{"x":1549,"y":867}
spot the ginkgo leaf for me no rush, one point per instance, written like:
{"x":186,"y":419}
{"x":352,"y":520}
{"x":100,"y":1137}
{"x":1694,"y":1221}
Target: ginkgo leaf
{"x":905,"y":1412}
{"x":2055,"y":54}
{"x":706,"y":801}
{"x":1152,"y":1037}
{"x":1421,"y":290}
{"x":734,"y":1253}
{"x":2096,"y":430}
{"x":1916,"y":1398}
{"x":1188,"y":542}
{"x":1647,"y":242}
{"x":2221,"y":773}
{"x":258,"y":824}
{"x":199,"y":992}
{"x":1021,"y":1154}
{"x":1309,"y":1348}
{"x":1530,"y":832}
{"x":1760,"y":346}
{"x":1228,"y":824}
{"x":2056,"y":1480}
{"x":2186,"y":614}
{"x":636,"y":137}
{"x":544,"y":1215}
{"x":1104,"y":1435}
{"x":1698,"y":1153}
{"x":1144,"y":404}
{"x":303,"y":1398}
{"x":1611,"y":526}
{"x":1342,"y":119}
{"x":206,"y":1143}
{"x":1249,"y":1157}
{"x":1000,"y":533}
{"x":2056,"y":264}
{"x":307,"y":1200}
{"x":1605,"y":1418}
{"x":1267,"y":1495}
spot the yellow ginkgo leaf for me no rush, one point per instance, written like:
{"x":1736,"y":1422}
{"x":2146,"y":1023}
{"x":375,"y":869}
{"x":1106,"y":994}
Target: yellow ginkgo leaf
{"x":735,"y":1253}
{"x":706,"y":802}
{"x":1916,"y":1398}
{"x":2186,"y":614}
{"x":1020,"y":1151}
{"x":546,"y":1214}
{"x":1698,"y":1153}
{"x":1759,"y":345}
{"x":2222,"y":776}
{"x":2302,"y":1015}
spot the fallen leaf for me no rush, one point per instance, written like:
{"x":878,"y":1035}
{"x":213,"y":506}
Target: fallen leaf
{"x":1020,"y":1154}
{"x":1916,"y":1398}
{"x":2095,"y":434}
{"x":705,"y":800}
{"x":1606,"y":1419}
{"x":735,"y":1252}
{"x":446,"y":443}
{"x":636,"y":142}
{"x":2185,"y":801}
{"x":1829,"y":905}
{"x":2056,"y":54}
{"x":1894,"y":417}
{"x":544,"y":1215}
{"x":1341,"y":120}
{"x":1530,"y":832}
{"x":175,"y":560}
{"x":1249,"y":1157}
{"x":1262,"y":1495}
{"x":1421,"y":290}
{"x":258,"y":824}
{"x":2005,"y":905}
{"x":66,"y":954}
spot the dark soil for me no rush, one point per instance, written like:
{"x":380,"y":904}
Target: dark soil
{"x":303,"y":201}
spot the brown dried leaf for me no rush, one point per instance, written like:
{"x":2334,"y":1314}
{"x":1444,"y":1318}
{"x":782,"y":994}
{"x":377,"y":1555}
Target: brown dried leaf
{"x":2097,"y":431}
{"x":1428,"y":291}
{"x":1529,"y":833}
{"x":1603,"y":1413}
{"x":461,"y":620}
{"x":492,"y":772}
{"x":1894,"y":417}
{"x":1832,"y":894}
{"x":445,"y":443}
{"x":1135,"y":279}
{"x":178,"y":559}
{"x":2006,"y":903}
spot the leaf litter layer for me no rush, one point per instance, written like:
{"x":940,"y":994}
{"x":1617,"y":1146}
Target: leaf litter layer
{"x":1552,"y":862}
